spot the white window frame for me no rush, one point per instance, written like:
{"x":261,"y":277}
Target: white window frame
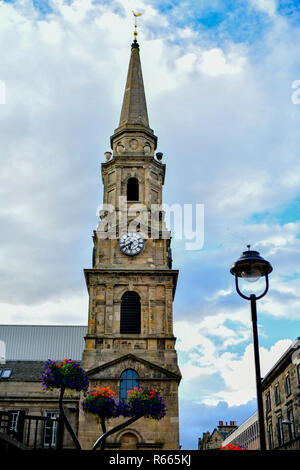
{"x":52,"y":429}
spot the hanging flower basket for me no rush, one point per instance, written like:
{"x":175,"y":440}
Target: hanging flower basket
{"x":101,"y":403}
{"x":141,"y":402}
{"x":64,"y":375}
{"x":146,"y":402}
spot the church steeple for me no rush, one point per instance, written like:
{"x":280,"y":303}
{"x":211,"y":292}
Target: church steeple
{"x":134,"y":109}
{"x":134,"y":136}
{"x":131,"y":284}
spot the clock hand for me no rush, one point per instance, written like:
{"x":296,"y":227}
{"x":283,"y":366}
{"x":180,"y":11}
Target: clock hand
{"x":128,"y":244}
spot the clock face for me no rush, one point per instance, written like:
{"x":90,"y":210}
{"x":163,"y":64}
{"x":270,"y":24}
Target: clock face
{"x":131,"y":243}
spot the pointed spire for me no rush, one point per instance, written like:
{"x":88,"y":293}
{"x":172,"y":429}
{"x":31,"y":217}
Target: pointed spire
{"x":134,"y":109}
{"x":134,"y":114}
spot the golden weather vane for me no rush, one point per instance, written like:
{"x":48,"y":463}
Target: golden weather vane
{"x":135,"y":33}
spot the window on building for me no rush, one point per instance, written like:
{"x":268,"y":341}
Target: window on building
{"x":50,"y":428}
{"x":132,"y":189}
{"x":13,"y":422}
{"x":277,"y":394}
{"x":279,"y":431}
{"x":5,"y":373}
{"x":268,"y":402}
{"x":130,"y":321}
{"x":270,"y":436}
{"x":129,"y":380}
{"x":291,"y":425}
{"x":298,"y":373}
{"x":287,"y":385}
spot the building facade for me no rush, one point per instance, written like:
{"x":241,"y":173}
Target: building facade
{"x":132,"y":284}
{"x":214,"y":440}
{"x":281,"y":399}
{"x":281,"y":396}
{"x":24,"y":351}
{"x":246,"y":435}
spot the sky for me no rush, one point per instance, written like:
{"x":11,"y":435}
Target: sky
{"x":222,"y":81}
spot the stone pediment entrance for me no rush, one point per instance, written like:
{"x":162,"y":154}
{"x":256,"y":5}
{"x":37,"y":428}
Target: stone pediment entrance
{"x":145,"y":369}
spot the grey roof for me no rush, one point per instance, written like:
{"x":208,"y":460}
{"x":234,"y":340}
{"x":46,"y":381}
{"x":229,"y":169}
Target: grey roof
{"x":224,"y":434}
{"x":24,"y":370}
{"x":42,"y":342}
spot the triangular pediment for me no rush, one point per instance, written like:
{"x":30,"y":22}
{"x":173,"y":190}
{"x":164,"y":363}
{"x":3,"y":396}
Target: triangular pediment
{"x":144,"y":368}
{"x":216,"y":434}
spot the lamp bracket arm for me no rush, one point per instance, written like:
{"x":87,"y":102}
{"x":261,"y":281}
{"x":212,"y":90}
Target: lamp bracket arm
{"x":256,"y":297}
{"x":238,"y":289}
{"x":266,"y":289}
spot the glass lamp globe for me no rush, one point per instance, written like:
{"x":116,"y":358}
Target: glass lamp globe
{"x":251,"y":275}
{"x":251,"y":266}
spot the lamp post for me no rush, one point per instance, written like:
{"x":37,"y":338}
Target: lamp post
{"x":251,"y":266}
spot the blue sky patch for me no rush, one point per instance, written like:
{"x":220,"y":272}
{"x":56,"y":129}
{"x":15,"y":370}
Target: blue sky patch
{"x":273,"y":329}
{"x":219,"y":20}
{"x":284,"y":214}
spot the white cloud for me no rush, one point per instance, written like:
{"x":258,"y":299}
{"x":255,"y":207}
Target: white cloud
{"x":68,"y":311}
{"x":214,"y":62}
{"x":199,"y":337}
{"x":236,"y":373}
{"x":239,"y":374}
{"x":267,"y":6}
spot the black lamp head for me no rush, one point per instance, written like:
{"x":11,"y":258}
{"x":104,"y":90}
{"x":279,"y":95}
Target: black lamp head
{"x":251,"y":266}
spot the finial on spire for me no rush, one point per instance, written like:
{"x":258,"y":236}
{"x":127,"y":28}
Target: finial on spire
{"x":135,"y":33}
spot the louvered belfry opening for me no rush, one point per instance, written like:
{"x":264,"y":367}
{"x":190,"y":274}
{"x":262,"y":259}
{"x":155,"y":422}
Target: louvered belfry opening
{"x":132,"y":189}
{"x":130,"y":313}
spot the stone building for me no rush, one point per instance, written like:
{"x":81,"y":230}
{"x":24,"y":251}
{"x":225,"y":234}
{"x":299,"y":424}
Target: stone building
{"x":246,"y":435}
{"x":129,"y":339}
{"x":281,"y":396}
{"x":214,"y":440}
{"x":131,"y":286}
{"x":24,"y":351}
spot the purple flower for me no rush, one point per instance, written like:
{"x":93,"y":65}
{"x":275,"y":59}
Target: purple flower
{"x":66,"y":374}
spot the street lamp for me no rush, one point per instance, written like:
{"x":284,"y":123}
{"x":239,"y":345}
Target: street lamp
{"x":251,"y":266}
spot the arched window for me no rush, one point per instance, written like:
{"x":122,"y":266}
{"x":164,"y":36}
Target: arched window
{"x":129,"y":380}
{"x":132,"y":189}
{"x":130,"y":321}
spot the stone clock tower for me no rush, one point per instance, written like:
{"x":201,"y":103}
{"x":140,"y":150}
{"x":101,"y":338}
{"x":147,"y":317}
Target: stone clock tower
{"x":131,"y":285}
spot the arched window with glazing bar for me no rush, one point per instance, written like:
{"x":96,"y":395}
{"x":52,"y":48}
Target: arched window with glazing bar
{"x":129,"y":380}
